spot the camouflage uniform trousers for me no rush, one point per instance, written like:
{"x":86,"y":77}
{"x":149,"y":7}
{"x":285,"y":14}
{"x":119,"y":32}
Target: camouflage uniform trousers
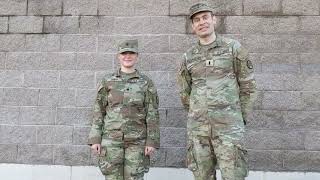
{"x":123,"y":161}
{"x":204,"y":153}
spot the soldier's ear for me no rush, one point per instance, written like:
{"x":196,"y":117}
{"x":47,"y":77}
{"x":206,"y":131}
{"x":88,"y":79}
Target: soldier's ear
{"x":192,"y":27}
{"x":214,"y":19}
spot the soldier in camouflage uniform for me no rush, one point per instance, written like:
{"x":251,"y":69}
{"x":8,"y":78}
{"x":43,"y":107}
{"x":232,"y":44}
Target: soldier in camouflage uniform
{"x":217,"y":90}
{"x":125,"y":126}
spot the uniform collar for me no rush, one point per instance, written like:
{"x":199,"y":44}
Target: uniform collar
{"x":135,"y":74}
{"x":216,"y":43}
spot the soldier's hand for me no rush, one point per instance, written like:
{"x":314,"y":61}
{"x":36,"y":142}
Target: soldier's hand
{"x":149,"y":150}
{"x":96,"y":148}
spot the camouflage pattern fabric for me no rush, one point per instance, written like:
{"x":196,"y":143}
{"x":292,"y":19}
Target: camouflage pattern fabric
{"x":217,"y":89}
{"x":126,"y":119}
{"x":204,"y":153}
{"x":123,"y":161}
{"x":199,"y":7}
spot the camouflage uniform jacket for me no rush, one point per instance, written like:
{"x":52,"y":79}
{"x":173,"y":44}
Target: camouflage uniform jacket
{"x":126,"y":109}
{"x":217,"y":87}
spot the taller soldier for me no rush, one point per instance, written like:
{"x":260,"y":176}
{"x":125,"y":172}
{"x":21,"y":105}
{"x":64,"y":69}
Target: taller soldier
{"x":217,"y":90}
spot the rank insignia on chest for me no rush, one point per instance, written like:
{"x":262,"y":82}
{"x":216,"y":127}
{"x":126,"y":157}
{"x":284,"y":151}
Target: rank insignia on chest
{"x":209,"y":62}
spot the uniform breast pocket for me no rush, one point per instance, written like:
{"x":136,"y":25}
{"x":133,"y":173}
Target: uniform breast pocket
{"x":136,"y":94}
{"x":115,"y":94}
{"x":225,"y":63}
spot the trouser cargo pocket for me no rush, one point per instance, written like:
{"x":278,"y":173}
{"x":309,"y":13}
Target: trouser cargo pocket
{"x":242,"y":161}
{"x":191,"y":161}
{"x":109,"y":163}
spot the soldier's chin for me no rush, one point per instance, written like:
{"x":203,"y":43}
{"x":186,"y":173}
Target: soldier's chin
{"x":127,"y":66}
{"x":203,"y":35}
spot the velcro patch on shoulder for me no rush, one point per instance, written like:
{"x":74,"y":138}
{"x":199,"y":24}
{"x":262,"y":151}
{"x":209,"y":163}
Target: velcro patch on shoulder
{"x":249,"y":64}
{"x":243,"y":53}
{"x":152,"y":90}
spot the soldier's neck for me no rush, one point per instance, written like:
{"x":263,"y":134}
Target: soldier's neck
{"x":127,"y":70}
{"x":208,"y":40}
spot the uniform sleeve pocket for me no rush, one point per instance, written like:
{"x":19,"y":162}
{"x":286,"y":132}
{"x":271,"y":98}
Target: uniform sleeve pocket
{"x":191,"y":162}
{"x":103,"y":152}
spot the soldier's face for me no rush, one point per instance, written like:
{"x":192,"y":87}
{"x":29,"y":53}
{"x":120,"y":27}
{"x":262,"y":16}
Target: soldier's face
{"x":128,"y":59}
{"x":203,"y":24}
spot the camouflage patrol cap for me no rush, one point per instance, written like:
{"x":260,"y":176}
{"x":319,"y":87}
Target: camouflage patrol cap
{"x":128,"y":45}
{"x":199,"y":7}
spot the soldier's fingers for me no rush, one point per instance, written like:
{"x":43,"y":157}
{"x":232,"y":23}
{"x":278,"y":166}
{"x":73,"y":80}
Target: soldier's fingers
{"x":99,"y":149}
{"x":151,"y":150}
{"x":146,"y":151}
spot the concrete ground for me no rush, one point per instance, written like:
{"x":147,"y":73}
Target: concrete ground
{"x":55,"y":172}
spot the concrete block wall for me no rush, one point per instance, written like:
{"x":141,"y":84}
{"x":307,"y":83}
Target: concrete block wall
{"x":53,"y":53}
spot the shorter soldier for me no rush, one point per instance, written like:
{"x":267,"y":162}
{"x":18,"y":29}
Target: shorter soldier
{"x":125,"y":126}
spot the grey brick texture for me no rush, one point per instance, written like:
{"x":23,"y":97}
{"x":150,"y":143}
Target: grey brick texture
{"x":45,"y":7}
{"x":12,"y":42}
{"x":35,"y":154}
{"x":54,"y":52}
{"x":13,"y":7}
{"x":80,"y":7}
{"x":261,"y":7}
{"x":8,"y":153}
{"x":297,"y":7}
{"x":3,"y":24}
{"x":43,"y":43}
{"x":37,"y":115}
{"x":61,"y":24}
{"x":25,"y":24}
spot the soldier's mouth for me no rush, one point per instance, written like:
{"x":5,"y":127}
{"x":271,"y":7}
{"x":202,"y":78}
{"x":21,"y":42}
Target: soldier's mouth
{"x":127,"y":61}
{"x":203,"y":28}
